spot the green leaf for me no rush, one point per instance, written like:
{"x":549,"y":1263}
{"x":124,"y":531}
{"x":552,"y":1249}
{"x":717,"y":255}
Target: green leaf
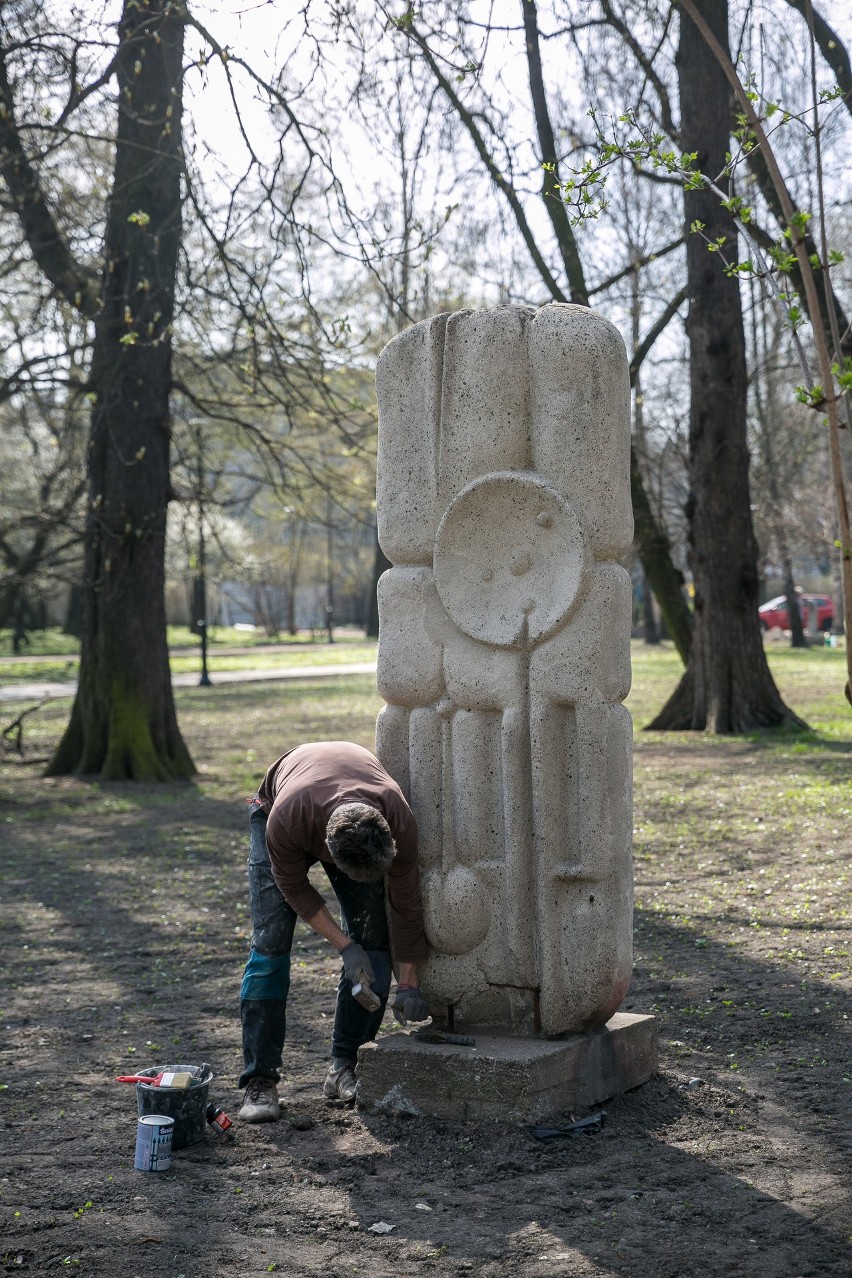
{"x":404,"y":21}
{"x":813,"y":396}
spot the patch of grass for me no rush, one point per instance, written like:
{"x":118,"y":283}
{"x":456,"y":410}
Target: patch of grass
{"x":238,"y":731}
{"x":231,"y":637}
{"x":810,"y":680}
{"x":295,"y":656}
{"x":51,"y":642}
{"x":742,"y":843}
{"x":41,"y":670}
{"x":656,"y":670}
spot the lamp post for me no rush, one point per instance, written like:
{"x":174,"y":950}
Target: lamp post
{"x":205,"y":681}
{"x":201,"y":581}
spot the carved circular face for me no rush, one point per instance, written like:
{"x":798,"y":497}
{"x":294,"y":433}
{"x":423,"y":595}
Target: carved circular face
{"x":509,"y":559}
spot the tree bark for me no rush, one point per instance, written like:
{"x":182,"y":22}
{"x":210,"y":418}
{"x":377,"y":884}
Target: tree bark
{"x":649,"y":621}
{"x":798,"y":638}
{"x":838,"y":626}
{"x":659,"y":574}
{"x":74,"y":613}
{"x":123,"y":722}
{"x":664,"y":578}
{"x":551,"y":191}
{"x":381,"y":564}
{"x":727,"y":685}
{"x":768,"y":414}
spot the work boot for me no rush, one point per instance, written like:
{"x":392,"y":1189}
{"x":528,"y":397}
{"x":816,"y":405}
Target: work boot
{"x":260,"y":1103}
{"x":340,"y":1081}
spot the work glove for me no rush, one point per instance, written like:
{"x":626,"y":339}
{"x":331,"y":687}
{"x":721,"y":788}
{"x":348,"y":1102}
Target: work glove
{"x":356,"y":964}
{"x":409,"y":1004}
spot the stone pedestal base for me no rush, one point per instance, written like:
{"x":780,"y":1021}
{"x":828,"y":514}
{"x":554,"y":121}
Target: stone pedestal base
{"x":512,"y":1079}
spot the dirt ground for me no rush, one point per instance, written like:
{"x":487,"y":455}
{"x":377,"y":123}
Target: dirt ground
{"x":124,"y":933}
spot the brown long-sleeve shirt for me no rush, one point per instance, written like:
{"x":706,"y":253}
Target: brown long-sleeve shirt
{"x":299,"y":793}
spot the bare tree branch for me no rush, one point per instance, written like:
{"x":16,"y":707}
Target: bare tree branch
{"x":79,"y":95}
{"x":551,"y":185}
{"x":830,"y":46}
{"x":618,"y":24}
{"x":656,"y":329}
{"x":70,"y":278}
{"x":642,"y":261}
{"x":468,"y":120}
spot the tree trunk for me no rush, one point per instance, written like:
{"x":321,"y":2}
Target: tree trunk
{"x":648,"y":531}
{"x":727,"y":685}
{"x":769,"y":413}
{"x":798,"y":639}
{"x":663,"y":577}
{"x":380,"y":564}
{"x":649,"y":621}
{"x":838,"y":627}
{"x":20,"y":619}
{"x":123,"y":722}
{"x":74,"y":614}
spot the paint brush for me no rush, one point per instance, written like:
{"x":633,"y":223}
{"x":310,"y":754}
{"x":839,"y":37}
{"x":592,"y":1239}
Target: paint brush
{"x":168,"y":1078}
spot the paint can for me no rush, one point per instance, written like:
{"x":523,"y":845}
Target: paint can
{"x":154,"y":1142}
{"x":218,"y":1119}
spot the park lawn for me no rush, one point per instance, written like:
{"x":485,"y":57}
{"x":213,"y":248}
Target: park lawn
{"x":341,"y":652}
{"x":731,"y":833}
{"x":744,"y":842}
{"x":54,"y":642}
{"x":125,"y":927}
{"x":810,"y":680}
{"x":41,"y":670}
{"x":292,"y":656}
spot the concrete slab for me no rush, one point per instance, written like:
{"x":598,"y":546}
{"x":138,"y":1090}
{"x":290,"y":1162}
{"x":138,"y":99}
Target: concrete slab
{"x":508,"y":1078}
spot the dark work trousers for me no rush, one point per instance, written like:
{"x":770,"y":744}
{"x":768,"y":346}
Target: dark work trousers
{"x":266,"y":979}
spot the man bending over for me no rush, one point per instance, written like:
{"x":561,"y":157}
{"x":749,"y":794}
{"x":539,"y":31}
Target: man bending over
{"x":328,"y":801}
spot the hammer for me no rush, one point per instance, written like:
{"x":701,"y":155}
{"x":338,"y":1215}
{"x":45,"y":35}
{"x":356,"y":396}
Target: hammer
{"x":363,"y":994}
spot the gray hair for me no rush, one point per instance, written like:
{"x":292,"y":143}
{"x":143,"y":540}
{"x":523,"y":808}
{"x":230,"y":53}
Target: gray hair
{"x":360,"y":842}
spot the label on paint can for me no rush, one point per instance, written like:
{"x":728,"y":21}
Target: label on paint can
{"x":154,"y":1143}
{"x":218,"y":1119}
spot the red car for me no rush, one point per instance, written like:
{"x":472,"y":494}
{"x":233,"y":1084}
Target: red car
{"x":774,"y":612}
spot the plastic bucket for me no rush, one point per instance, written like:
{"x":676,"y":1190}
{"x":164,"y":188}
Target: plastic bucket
{"x":186,"y":1105}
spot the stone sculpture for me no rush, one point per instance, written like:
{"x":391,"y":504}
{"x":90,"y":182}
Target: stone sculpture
{"x":503,"y":505}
